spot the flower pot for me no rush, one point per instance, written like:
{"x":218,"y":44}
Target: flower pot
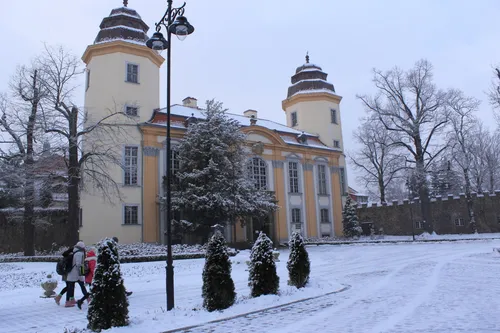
{"x":276,"y":256}
{"x":49,"y":285}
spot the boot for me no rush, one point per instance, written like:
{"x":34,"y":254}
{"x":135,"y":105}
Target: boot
{"x":79,"y":304}
{"x":128,"y":293}
{"x":58,"y":299}
{"x":69,"y":304}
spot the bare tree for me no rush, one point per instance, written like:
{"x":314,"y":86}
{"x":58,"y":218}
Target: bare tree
{"x":65,"y":119}
{"x":409,"y":104}
{"x":492,"y":160}
{"x":462,"y":134}
{"x":379,"y":160}
{"x":479,"y":168}
{"x":18,"y":122}
{"x":494,"y":94}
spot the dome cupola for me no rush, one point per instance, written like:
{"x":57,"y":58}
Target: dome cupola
{"x":123,"y":24}
{"x":309,"y":78}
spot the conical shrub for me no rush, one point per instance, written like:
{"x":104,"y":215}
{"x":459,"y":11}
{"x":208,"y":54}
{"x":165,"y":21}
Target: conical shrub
{"x":262,"y":278}
{"x":298,"y":263}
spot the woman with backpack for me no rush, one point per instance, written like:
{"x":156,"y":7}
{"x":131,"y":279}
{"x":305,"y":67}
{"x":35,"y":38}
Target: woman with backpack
{"x":76,"y":274}
{"x":89,"y":264}
{"x":63,"y":274}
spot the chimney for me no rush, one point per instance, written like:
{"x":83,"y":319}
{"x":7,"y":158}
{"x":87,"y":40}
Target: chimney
{"x":249,"y":113}
{"x":190,"y":102}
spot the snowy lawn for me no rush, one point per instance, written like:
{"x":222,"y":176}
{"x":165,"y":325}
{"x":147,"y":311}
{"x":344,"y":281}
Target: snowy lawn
{"x":424,"y":287}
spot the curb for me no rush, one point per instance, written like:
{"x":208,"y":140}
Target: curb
{"x":180,"y":329}
{"x":402,"y":241}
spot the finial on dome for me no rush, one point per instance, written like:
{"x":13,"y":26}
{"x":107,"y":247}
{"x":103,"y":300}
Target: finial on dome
{"x":125,"y":3}
{"x":307,"y":57}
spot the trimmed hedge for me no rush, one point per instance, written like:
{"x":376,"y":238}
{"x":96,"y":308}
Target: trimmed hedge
{"x":123,"y":260}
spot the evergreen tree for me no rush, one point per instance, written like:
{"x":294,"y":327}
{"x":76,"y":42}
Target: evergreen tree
{"x":350,"y":220}
{"x":212,"y":184}
{"x":109,"y":304}
{"x":263,"y":279}
{"x":298,"y":263}
{"x":218,"y":286}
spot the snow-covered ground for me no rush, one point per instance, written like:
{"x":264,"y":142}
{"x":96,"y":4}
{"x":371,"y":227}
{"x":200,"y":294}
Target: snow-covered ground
{"x":424,"y":287}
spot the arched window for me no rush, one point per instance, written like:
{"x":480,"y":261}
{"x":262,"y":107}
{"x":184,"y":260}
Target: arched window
{"x":257,"y":170}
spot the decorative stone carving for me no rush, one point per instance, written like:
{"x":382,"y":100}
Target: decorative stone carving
{"x":308,"y":167}
{"x":49,"y":285}
{"x":150,"y":151}
{"x":258,"y":148}
{"x":278,"y":164}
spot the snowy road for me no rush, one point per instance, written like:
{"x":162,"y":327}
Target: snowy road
{"x":445,"y":287}
{"x":402,"y":288}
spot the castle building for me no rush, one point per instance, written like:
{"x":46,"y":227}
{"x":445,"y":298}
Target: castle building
{"x":302,"y":162}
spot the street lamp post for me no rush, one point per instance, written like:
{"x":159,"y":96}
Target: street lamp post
{"x":175,"y":23}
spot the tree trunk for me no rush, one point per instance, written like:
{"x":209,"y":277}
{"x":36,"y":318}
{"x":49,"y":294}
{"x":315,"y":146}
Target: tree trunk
{"x":29,"y":185}
{"x":470,"y":203}
{"x":73,"y":181}
{"x":423,"y":190}
{"x":381,"y":188}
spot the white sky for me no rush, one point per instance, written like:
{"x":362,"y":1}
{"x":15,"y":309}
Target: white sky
{"x":244,"y":52}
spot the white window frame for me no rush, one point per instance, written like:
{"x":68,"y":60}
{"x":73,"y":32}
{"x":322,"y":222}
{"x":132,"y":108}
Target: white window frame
{"x":257,"y":171}
{"x":419,"y":225}
{"x":322,"y":180}
{"x":296,"y":216}
{"x":124,"y":212}
{"x":459,"y":222}
{"x":294,"y":115}
{"x":87,"y":80}
{"x":343,"y":189}
{"x":129,"y":168}
{"x":175,"y":165}
{"x":293,"y":177}
{"x":334,"y":116}
{"x":336,"y":144}
{"x":127,"y":106}
{"x":127,"y":64}
{"x":324,"y":217}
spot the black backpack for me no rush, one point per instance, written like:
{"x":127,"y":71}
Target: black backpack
{"x":65,"y":265}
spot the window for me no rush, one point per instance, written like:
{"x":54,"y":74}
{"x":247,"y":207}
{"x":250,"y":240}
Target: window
{"x":87,"y":84}
{"x":333,"y":114}
{"x":460,"y":222}
{"x":130,"y":165}
{"x":342,"y":181}
{"x":336,"y":143}
{"x":293,"y":175}
{"x":131,"y":215}
{"x":131,"y":110}
{"x":322,"y":179}
{"x":324,"y":215}
{"x":257,"y":170}
{"x":419,"y":225}
{"x":133,"y":73}
{"x":294,"y":119}
{"x":295,"y":215}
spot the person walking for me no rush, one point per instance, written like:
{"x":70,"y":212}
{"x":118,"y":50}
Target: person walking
{"x":64,"y":277}
{"x":91,"y":261}
{"x":128,"y":293}
{"x":76,"y":274}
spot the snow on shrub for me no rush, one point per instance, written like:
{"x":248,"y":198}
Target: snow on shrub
{"x":350,"y":220}
{"x":218,"y":286}
{"x":262,"y":278}
{"x":109,"y":304}
{"x":298,"y":263}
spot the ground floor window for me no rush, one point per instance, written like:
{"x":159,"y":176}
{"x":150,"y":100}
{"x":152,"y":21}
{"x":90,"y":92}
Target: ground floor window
{"x":130,"y":214}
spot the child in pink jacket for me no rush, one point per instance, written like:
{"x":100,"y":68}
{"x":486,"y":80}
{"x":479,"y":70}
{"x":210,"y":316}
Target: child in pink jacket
{"x":91,"y":259}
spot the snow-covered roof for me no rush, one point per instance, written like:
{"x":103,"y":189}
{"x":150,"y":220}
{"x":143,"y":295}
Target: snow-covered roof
{"x":185,"y":111}
{"x":123,"y":27}
{"x":132,"y":41}
{"x":287,"y":134}
{"x":314,"y":91}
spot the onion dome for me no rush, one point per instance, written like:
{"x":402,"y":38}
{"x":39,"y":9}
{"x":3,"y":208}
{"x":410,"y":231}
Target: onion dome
{"x":309,"y":78}
{"x":123,"y":24}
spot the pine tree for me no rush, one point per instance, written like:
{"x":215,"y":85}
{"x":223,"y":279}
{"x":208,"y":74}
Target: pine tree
{"x":213,"y":186}
{"x":218,"y":286}
{"x":350,"y":220}
{"x":46,"y":194}
{"x":263,"y":279}
{"x":298,"y":263}
{"x":109,"y":304}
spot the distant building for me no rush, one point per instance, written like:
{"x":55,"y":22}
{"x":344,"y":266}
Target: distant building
{"x":302,"y":162}
{"x":357,"y":197}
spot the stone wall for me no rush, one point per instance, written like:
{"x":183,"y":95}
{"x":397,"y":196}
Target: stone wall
{"x":50,"y":231}
{"x":398,"y":218}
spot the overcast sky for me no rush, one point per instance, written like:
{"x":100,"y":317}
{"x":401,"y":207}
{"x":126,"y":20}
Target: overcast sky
{"x":244,"y":52}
